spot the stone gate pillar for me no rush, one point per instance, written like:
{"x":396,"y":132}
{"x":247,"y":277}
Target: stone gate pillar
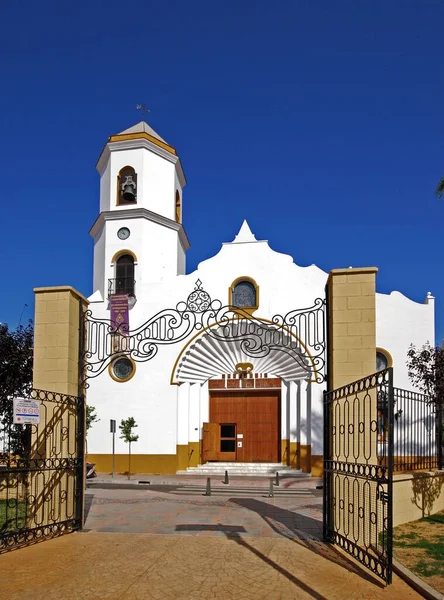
{"x":57,"y":493}
{"x":351,"y":296}
{"x":57,"y":339}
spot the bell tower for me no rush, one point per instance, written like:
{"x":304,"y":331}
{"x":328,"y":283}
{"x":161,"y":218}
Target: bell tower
{"x":138,"y":236}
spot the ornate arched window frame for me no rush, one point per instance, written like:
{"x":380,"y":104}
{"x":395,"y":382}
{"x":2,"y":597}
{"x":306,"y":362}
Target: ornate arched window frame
{"x":248,"y":309}
{"x":112,"y":283}
{"x":120,"y":253}
{"x":387,"y":356}
{"x":127,"y":170}
{"x":112,"y":364}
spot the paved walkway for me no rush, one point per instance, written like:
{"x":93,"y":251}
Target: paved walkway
{"x":184,"y":510}
{"x":176,"y":544}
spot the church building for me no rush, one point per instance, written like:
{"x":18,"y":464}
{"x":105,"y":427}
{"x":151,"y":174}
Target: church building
{"x":227,"y":364}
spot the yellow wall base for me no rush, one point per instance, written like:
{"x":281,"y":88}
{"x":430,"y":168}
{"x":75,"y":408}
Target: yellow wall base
{"x":317,"y":465}
{"x":188,"y":455}
{"x":305,"y":460}
{"x":140,"y":463}
{"x":193,"y":454}
{"x":285,"y":452}
{"x":294,"y":461}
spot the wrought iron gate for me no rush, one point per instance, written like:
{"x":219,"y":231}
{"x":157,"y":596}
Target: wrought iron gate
{"x":358,"y":470}
{"x":41,"y":472}
{"x":299,"y":334}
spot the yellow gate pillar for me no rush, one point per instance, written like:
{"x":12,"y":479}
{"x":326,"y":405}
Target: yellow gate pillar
{"x":57,"y":493}
{"x":351,"y":296}
{"x":57,"y":339}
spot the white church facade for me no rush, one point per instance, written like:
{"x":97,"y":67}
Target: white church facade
{"x":215,"y":377}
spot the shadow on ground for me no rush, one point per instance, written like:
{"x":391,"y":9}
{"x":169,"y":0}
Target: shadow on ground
{"x":294,"y":526}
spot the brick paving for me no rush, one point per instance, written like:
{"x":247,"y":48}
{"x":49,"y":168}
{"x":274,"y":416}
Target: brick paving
{"x":184,"y":510}
{"x":173,"y":543}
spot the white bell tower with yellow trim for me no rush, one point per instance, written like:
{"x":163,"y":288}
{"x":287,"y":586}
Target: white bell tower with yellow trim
{"x":141,"y":188}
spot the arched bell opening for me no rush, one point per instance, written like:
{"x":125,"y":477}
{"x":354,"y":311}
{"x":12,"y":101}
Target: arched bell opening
{"x":127,"y":186}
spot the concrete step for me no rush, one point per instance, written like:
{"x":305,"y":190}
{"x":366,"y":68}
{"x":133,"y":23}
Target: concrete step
{"x":244,"y":469}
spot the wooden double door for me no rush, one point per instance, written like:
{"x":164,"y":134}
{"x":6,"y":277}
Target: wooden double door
{"x":244,"y":426}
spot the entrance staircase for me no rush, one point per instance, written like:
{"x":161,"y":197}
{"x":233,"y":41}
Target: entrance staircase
{"x":243,"y":469}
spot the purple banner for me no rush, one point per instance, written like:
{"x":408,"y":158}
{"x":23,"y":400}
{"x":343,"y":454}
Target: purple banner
{"x":119,"y":313}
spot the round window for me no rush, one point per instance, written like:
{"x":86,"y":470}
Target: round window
{"x":123,"y":368}
{"x":382,"y":361}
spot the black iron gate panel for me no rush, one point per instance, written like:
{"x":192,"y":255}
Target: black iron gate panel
{"x":41,"y":472}
{"x":358,"y":470}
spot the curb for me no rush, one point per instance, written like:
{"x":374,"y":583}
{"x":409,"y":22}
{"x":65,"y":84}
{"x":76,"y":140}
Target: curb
{"x":416,"y":583}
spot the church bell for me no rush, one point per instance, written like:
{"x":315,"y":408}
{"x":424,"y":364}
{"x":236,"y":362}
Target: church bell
{"x":129,"y":189}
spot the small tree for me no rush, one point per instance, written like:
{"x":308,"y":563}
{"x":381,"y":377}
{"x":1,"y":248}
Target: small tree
{"x":426,"y":371}
{"x":440,"y":188}
{"x":91,"y":418}
{"x":126,"y":429}
{"x":16,"y":358}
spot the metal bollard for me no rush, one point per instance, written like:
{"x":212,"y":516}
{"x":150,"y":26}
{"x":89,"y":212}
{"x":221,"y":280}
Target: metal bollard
{"x":208,"y":489}
{"x":271,"y":491}
{"x":226,"y":478}
{"x":277,"y":478}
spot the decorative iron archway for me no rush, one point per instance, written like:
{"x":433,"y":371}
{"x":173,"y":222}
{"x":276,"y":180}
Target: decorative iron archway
{"x":301,"y":333}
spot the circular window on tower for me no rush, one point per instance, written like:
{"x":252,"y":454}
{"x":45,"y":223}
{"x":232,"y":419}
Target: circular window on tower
{"x":122,"y":369}
{"x":383,"y":359}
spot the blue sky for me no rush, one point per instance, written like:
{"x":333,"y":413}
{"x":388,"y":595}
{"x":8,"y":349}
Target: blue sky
{"x":320,"y":122}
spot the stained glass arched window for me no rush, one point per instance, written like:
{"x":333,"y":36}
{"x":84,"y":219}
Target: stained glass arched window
{"x":244,"y":293}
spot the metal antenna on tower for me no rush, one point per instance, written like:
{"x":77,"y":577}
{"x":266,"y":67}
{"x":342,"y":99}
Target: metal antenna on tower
{"x":143,"y":109}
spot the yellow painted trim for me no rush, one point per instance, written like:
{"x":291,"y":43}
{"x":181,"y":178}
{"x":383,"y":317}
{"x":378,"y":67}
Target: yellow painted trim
{"x":144,"y":136}
{"x":305,"y":458}
{"x":239,"y":315}
{"x":182,"y":457}
{"x":387,"y":355}
{"x":140,"y":463}
{"x":178,"y":205}
{"x":193,"y":454}
{"x":317,"y":465}
{"x":110,"y":368}
{"x":294,"y":457}
{"x":285,"y":451}
{"x":120,"y":253}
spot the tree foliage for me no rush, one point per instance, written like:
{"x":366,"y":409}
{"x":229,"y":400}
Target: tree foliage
{"x":440,"y":188}
{"x":16,"y":359}
{"x":91,"y":417}
{"x":126,"y":434}
{"x":426,"y":371}
{"x":126,"y":430}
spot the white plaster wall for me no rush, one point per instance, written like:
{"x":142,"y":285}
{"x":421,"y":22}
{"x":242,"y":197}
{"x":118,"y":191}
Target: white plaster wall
{"x":317,"y":418}
{"x":155,"y":246}
{"x":105,"y":189}
{"x":147,"y":397}
{"x":181,"y":258}
{"x":99,"y":262}
{"x":151,"y":399}
{"x":283,"y":285}
{"x":399,"y":323}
